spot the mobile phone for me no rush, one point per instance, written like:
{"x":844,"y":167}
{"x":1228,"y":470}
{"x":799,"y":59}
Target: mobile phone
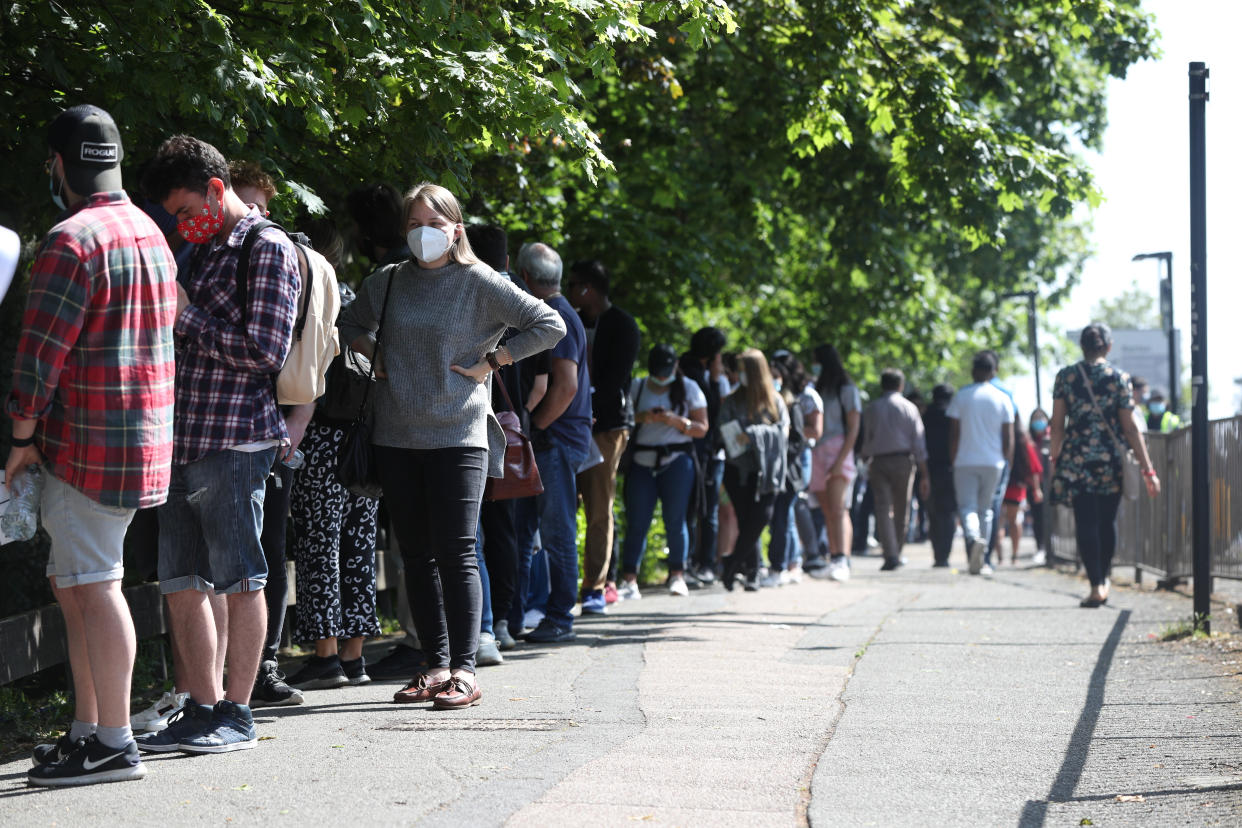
{"x":657,"y":410}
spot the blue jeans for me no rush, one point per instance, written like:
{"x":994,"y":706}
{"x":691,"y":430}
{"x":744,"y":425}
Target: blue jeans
{"x":784,"y":547}
{"x":672,"y":486}
{"x":531,"y":588}
{"x":485,"y":619}
{"x":974,"y":487}
{"x":211,"y":524}
{"x":997,"y":499}
{"x":558,"y":526}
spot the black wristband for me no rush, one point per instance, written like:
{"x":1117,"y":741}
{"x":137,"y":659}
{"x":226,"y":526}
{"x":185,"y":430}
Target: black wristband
{"x":19,"y":442}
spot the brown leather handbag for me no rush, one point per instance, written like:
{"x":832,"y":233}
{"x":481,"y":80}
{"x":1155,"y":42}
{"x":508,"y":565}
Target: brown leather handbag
{"x":521,"y":478}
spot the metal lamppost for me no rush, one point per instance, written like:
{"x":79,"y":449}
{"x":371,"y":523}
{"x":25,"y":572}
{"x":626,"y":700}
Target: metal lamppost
{"x":1201,"y":507}
{"x":1166,"y":317}
{"x":1032,"y":325}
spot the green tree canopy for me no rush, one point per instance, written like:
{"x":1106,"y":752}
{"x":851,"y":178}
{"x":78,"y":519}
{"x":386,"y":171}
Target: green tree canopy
{"x":1132,"y":309}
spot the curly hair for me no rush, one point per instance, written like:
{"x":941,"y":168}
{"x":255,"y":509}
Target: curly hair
{"x":250,"y":174}
{"x":183,"y":162}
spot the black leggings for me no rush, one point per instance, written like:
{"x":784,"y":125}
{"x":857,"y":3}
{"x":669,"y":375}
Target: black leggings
{"x":433,"y":497}
{"x":1095,"y":521}
{"x":500,"y":550}
{"x":753,"y":516}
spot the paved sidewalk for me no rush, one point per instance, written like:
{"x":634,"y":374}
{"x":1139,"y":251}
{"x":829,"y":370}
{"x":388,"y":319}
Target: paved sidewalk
{"x":921,"y":697}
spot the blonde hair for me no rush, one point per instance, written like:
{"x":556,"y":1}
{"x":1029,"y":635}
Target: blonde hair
{"x":759,"y":393}
{"x":446,"y":204}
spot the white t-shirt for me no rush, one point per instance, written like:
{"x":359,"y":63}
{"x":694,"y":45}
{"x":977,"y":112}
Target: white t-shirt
{"x":659,"y":434}
{"x":810,"y":401}
{"x":980,"y":409}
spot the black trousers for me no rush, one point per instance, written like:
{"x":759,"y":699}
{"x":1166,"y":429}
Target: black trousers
{"x":500,"y":550}
{"x":753,"y":516}
{"x":1095,"y":519}
{"x":942,"y":513}
{"x":272,"y":538}
{"x":433,"y":497}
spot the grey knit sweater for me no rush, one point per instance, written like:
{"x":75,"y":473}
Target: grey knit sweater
{"x":451,"y":315}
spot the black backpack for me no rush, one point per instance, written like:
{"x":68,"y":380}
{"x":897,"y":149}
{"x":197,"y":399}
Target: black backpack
{"x":794,"y":481}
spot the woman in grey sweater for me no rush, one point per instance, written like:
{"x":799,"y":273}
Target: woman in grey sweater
{"x":436,"y":436}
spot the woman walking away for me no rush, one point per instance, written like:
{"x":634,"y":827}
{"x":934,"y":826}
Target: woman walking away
{"x":1025,"y":483}
{"x":755,"y":427}
{"x":832,"y":463}
{"x":670,"y":412}
{"x":1091,"y":410}
{"x":1039,"y":509}
{"x":438,"y":319}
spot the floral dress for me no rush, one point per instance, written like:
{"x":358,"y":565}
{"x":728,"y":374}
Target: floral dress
{"x":1089,"y":461}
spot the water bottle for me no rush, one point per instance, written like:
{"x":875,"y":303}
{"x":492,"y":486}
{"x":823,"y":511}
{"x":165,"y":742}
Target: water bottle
{"x":21,"y":518}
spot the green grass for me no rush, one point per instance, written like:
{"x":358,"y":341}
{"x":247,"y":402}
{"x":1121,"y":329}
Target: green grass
{"x":1188,"y":628}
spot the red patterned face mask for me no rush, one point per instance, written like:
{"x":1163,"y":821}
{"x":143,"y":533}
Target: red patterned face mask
{"x":204,"y":227}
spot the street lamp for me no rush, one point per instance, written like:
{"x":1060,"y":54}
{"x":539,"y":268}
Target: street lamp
{"x":1032,"y":333}
{"x":1166,"y":317}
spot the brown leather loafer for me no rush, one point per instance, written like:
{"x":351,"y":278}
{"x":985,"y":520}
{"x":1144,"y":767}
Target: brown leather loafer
{"x":457,"y":693}
{"x":420,"y":689}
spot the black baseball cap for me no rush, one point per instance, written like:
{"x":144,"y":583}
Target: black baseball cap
{"x":90,"y":147}
{"x":662,"y":361}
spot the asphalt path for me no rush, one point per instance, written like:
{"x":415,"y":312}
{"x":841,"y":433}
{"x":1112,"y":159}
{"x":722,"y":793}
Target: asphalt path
{"x":920,"y":697}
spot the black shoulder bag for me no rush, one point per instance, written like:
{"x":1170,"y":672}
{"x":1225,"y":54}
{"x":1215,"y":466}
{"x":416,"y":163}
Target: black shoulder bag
{"x":355,"y":459}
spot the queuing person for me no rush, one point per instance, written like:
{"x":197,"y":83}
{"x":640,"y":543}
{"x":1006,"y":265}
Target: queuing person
{"x":1142,"y":394}
{"x":704,"y":364}
{"x":256,"y":189}
{"x":227,"y":428}
{"x":98,"y":326}
{"x":895,"y":448}
{"x":1160,"y":420}
{"x":832,"y":463}
{"x":378,"y":218}
{"x":1091,"y":411}
{"x":432,"y":420}
{"x":981,"y":443}
{"x":791,"y":531}
{"x":612,"y":348}
{"x":1038,"y":433}
{"x":755,"y":427}
{"x":1024,"y":485}
{"x":942,"y":504}
{"x":670,"y":411}
{"x":561,"y":426}
{"x":334,"y":530}
{"x":498,"y":518}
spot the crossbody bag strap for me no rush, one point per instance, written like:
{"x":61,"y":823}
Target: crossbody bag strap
{"x":366,"y":392}
{"x":1121,"y":449}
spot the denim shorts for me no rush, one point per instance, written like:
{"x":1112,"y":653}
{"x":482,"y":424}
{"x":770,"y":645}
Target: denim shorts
{"x":211,"y":524}
{"x":88,"y":538}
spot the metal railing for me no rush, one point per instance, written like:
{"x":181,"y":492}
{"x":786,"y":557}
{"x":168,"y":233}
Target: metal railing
{"x":1154,"y":535}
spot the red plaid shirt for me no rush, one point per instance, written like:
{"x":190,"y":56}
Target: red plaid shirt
{"x":225,"y":393}
{"x":95,"y":360}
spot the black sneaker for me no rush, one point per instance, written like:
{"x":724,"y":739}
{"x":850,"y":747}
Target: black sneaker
{"x":400,"y":663}
{"x":549,"y":633}
{"x":58,"y":751}
{"x":356,"y":671}
{"x":90,"y":762}
{"x":270,"y":689}
{"x":319,"y":673}
{"x":190,"y":720}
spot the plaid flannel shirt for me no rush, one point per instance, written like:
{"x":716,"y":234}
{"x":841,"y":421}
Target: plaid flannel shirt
{"x":94,"y":363}
{"x":225,"y":393}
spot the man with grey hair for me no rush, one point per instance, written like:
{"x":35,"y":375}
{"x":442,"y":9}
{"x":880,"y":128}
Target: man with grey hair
{"x":561,"y":433}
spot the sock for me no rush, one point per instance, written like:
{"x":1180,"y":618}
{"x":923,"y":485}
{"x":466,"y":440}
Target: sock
{"x":80,"y":730}
{"x":115,"y":738}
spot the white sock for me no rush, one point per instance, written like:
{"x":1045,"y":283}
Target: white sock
{"x":80,"y":730}
{"x":115,"y":738}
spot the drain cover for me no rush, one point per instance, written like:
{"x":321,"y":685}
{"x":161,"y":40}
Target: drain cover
{"x":482,"y":724}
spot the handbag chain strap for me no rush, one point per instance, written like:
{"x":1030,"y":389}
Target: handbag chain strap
{"x":1121,"y":448}
{"x":366,"y":392}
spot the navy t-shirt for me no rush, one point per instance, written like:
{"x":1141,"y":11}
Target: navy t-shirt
{"x":574,"y":426}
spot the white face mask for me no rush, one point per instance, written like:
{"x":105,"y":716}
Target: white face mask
{"x":429,"y":243}
{"x":741,"y":377}
{"x":662,"y":381}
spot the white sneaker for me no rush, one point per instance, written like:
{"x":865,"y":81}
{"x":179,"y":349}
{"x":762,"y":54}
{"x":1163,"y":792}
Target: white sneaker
{"x":532,"y":618}
{"x":488,"y":654}
{"x":975,"y":562}
{"x":677,"y":586}
{"x":772,"y":579}
{"x":1039,"y":558}
{"x":155,"y":718}
{"x":628,"y":591}
{"x":793,"y":576}
{"x":985,"y":570}
{"x":839,"y":568}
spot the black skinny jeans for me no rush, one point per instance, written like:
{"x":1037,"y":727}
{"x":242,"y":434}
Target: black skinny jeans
{"x":1095,"y":519}
{"x":752,"y":517}
{"x":272,"y":538}
{"x":433,"y":497}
